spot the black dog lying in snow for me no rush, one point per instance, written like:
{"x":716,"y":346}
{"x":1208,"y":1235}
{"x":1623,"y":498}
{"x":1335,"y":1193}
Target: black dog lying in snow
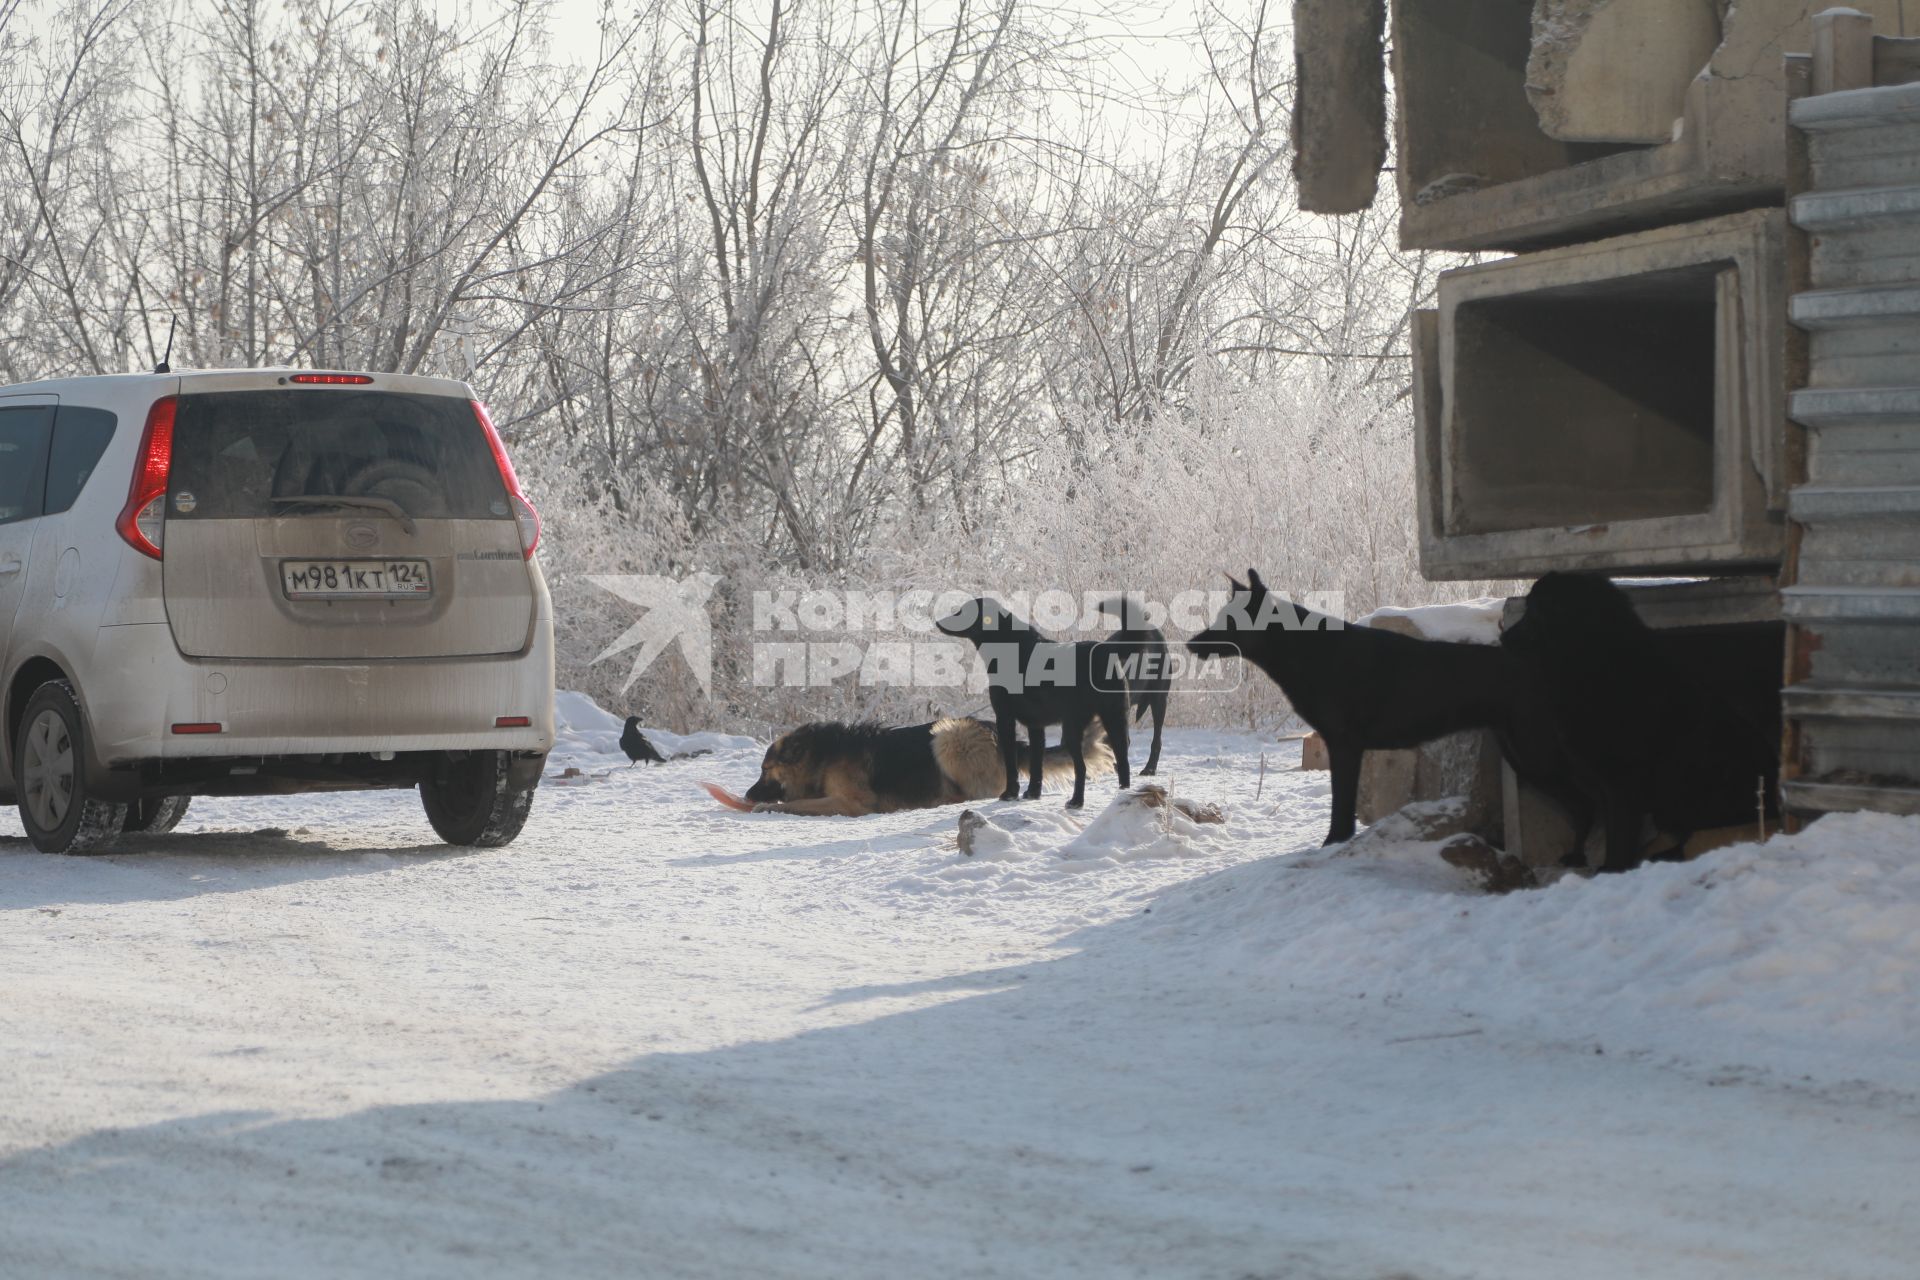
{"x":1639,"y":735}
{"x":1363,"y":689}
{"x":1034,"y":682}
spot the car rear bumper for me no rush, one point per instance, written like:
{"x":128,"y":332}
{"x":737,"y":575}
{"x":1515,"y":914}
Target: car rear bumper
{"x":147,"y":702}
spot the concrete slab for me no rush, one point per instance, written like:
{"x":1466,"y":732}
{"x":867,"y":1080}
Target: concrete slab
{"x":1340,"y":103}
{"x":1617,"y":70}
{"x":1465,"y":765}
{"x":1615,"y":405}
{"x":1477,"y":170}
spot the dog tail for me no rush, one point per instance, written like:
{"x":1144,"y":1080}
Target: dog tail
{"x":968,"y":755}
{"x":1057,"y":765}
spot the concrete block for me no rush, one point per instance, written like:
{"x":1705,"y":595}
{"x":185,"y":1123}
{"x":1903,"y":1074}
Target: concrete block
{"x":1617,"y":70}
{"x":1462,"y":119}
{"x":1842,"y":50}
{"x":1539,"y":832}
{"x":1478,"y":171}
{"x":1463,"y":765}
{"x":1427,"y":821}
{"x":1340,"y":102}
{"x":1615,"y":405}
{"x":1313,"y":754}
{"x":1388,"y":783}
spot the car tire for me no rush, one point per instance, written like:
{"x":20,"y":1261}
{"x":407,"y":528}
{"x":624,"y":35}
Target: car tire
{"x":474,"y":800}
{"x":155,"y":815}
{"x":50,"y":777}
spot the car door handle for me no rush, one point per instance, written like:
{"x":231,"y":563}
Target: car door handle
{"x":10,"y":567}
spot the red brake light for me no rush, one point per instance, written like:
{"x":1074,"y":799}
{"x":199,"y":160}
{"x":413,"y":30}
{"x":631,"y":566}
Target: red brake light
{"x":513,"y":722}
{"x":332,"y":379}
{"x":201,"y":727}
{"x":523,"y":512}
{"x":144,"y":517}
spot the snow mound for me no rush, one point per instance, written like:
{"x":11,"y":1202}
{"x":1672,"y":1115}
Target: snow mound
{"x":1803,"y":952}
{"x":586,"y":733}
{"x":1131,"y":828}
{"x":1467,"y":622}
{"x":1005,"y":833}
{"x":1015,"y":847}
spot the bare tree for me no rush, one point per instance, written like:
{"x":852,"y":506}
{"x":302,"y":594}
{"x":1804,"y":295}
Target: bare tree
{"x":784,"y":289}
{"x":59,"y":99}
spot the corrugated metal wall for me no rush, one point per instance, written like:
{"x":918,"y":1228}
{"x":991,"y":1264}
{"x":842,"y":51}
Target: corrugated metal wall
{"x":1853,"y":700}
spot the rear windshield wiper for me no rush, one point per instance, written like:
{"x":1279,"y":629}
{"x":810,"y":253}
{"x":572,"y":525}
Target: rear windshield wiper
{"x":387,"y":505}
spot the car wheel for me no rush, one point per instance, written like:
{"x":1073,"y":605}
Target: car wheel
{"x":473,"y":799}
{"x":155,"y":815}
{"x":50,"y":777}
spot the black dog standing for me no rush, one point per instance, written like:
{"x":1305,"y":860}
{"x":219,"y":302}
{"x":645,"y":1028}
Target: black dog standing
{"x":1640,"y":734}
{"x":1149,"y":673}
{"x":1034,"y":682}
{"x":1363,"y":689}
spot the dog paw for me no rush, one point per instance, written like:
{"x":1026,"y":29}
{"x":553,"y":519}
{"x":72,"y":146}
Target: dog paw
{"x":1012,"y":794}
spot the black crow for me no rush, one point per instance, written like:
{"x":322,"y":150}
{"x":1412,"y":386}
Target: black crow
{"x":635,"y":744}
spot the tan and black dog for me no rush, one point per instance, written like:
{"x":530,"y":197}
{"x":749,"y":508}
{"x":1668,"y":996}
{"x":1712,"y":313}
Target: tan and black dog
{"x":854,"y":769}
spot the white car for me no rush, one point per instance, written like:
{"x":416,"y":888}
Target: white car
{"x":265,"y":582}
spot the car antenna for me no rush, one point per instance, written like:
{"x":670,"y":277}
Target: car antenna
{"x":163,"y":366}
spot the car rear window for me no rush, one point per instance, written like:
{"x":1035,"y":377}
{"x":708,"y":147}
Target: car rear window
{"x":237,"y":454}
{"x":24,"y":432}
{"x":80,"y":436}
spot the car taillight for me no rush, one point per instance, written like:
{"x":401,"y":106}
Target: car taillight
{"x":523,"y":513}
{"x":529,"y":522}
{"x":143,"y":520}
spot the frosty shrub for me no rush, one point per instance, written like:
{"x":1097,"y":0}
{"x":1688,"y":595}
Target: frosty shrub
{"x":801,"y":298}
{"x":1309,"y":483}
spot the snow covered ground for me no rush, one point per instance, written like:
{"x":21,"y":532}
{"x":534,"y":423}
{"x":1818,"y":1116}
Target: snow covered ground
{"x":659,"y":1038}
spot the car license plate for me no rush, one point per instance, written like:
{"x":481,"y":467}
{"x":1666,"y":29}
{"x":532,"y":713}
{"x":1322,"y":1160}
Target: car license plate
{"x":336,"y":579}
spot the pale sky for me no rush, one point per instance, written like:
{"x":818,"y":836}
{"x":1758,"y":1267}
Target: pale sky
{"x":1142,"y":43}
